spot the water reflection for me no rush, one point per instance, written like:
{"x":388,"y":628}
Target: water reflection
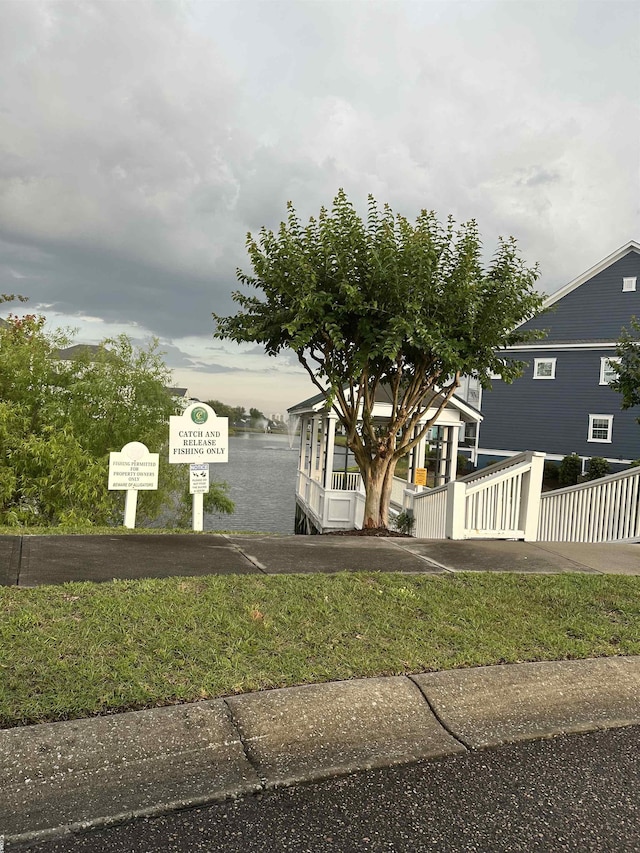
{"x":261,"y":473}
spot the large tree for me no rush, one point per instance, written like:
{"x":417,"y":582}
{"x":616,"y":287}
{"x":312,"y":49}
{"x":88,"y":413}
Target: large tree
{"x":382,"y":301}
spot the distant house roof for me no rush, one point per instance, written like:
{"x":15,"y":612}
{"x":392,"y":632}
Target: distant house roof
{"x":78,"y":350}
{"x":177,"y":392}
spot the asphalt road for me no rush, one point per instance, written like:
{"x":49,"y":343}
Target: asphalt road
{"x":571,"y":793}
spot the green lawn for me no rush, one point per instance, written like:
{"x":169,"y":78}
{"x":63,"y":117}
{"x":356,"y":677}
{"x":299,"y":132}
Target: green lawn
{"x":83,"y":648}
{"x":96,"y":530}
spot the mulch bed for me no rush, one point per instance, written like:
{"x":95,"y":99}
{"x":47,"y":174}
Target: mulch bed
{"x":371,"y":531}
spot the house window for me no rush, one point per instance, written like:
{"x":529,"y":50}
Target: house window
{"x":607,"y":373}
{"x":544,"y":368}
{"x":629,"y":284}
{"x":600,"y":428}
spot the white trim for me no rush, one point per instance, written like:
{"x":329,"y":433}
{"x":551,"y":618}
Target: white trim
{"x":552,"y":346}
{"x":538,"y":362}
{"x":629,"y":284}
{"x":604,"y":361}
{"x":632,"y":245}
{"x":456,"y":405}
{"x":591,"y":439}
{"x":553,"y":457}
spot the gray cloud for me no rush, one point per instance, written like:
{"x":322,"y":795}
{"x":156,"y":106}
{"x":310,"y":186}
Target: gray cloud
{"x":141,"y":141}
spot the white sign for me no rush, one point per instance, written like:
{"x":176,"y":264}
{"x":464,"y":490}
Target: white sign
{"x":133,"y":468}
{"x":198,"y":435}
{"x":199,"y":478}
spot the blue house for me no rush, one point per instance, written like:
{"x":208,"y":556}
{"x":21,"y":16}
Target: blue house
{"x":563,"y":403}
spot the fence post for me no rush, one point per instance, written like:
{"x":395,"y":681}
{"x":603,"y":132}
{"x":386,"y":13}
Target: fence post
{"x":531,"y":492}
{"x":454,"y":525}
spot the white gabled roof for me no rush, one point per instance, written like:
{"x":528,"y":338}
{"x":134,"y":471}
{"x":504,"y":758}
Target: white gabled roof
{"x":632,"y":245}
{"x":318,"y":403}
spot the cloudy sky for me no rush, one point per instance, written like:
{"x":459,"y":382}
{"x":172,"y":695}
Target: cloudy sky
{"x":140,"y":141}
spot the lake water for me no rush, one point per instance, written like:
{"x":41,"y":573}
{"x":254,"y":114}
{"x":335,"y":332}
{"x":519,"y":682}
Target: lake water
{"x":261,"y":473}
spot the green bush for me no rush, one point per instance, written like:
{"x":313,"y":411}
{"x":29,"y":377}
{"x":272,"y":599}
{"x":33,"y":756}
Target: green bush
{"x":61,"y":417}
{"x":464,"y":465}
{"x":551,"y":472}
{"x":404,"y":522}
{"x":597,"y":467}
{"x":569,"y":470}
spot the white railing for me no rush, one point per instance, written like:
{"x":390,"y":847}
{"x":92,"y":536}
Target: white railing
{"x":397,"y":492}
{"x":330,"y":509}
{"x":351,"y":481}
{"x":605,"y":510}
{"x":499,"y":502}
{"x":311,"y":491}
{"x":430,"y":514}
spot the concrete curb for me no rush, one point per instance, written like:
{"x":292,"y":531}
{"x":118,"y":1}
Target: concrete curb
{"x":67,"y":777}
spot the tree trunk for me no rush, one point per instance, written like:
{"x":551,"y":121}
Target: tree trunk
{"x":378,"y":480}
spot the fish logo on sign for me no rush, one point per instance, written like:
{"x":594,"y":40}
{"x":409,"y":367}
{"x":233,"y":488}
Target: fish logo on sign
{"x":199,"y":415}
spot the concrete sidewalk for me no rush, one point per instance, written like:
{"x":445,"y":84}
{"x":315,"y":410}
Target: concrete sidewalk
{"x":35,"y":560}
{"x":66,"y":777}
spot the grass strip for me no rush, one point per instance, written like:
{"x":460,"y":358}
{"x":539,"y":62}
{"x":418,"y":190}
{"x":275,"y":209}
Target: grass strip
{"x":82,"y":648}
{"x":97,"y":530}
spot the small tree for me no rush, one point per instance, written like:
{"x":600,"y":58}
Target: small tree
{"x":597,"y":467}
{"x":627,"y":369}
{"x":59,"y":419}
{"x":384,"y":302}
{"x":569,"y":470}
{"x":222,"y":410}
{"x":256,"y":416}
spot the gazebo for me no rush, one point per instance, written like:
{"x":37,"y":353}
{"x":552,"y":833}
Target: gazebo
{"x":330,"y":496}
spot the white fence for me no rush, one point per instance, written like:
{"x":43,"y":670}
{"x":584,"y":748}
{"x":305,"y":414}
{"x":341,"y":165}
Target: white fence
{"x":331,"y":509}
{"x":351,"y":481}
{"x":430,"y":514}
{"x":504,"y":501}
{"x":500,"y":502}
{"x":604,"y":510}
{"x":398,"y":487}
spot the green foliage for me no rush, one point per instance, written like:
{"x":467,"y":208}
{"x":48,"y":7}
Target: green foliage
{"x":222,"y":410}
{"x":59,"y":419}
{"x":569,"y":470}
{"x":628,"y":370}
{"x":404,"y":522}
{"x":597,"y":467}
{"x":464,"y":465}
{"x":215,"y":500}
{"x":381,"y":301}
{"x":551,"y":472}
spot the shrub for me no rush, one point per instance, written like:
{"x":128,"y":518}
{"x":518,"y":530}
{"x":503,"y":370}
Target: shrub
{"x":597,"y":467}
{"x":569,"y":470}
{"x":464,"y":465}
{"x":404,"y":522}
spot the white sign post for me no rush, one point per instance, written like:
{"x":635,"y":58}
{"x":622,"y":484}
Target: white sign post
{"x":198,"y":486}
{"x":198,"y":437}
{"x":131,"y":470}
